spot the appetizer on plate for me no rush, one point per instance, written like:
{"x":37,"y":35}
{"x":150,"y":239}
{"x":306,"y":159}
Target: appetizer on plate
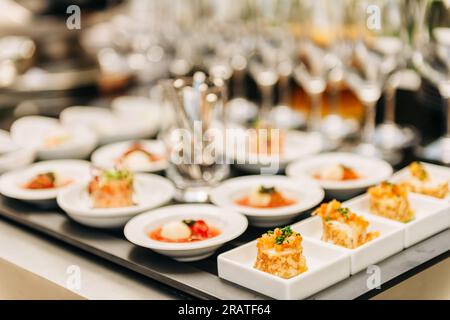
{"x":137,"y":155}
{"x":343,"y":227}
{"x":184,"y":231}
{"x":391,"y":201}
{"x":265,"y":198}
{"x":420,"y":181}
{"x":263,"y":140}
{"x":337,"y":172}
{"x":47,"y":180}
{"x":112,"y":189}
{"x":280,"y":253}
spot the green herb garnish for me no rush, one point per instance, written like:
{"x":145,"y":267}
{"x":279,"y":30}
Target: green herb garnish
{"x":267,"y":190}
{"x":116,"y":174}
{"x":189,"y":223}
{"x":344,"y":212}
{"x":286,"y":232}
{"x":50,"y":175}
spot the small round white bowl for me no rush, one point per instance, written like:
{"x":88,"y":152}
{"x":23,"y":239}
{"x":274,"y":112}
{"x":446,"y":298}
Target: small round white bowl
{"x":139,"y":110}
{"x":109,"y":126}
{"x":150,"y":191}
{"x":307,"y":195}
{"x":11,"y":182}
{"x":230,"y":223}
{"x":13,"y":156}
{"x":106,"y":156}
{"x":297,"y":145}
{"x":373,"y":171}
{"x":31,"y":132}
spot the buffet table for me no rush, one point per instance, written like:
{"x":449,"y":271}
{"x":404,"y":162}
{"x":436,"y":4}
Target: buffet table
{"x":137,"y":273}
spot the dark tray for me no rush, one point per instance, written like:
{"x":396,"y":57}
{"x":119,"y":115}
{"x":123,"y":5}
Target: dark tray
{"x":199,"y":279}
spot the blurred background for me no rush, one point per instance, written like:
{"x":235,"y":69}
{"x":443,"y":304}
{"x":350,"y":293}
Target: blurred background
{"x":372,"y":77}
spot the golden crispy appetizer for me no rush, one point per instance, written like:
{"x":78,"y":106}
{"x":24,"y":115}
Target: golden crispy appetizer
{"x":280,"y":253}
{"x":343,"y":227}
{"x":391,"y":201}
{"x":112,"y":189}
{"x":421,"y":182}
{"x":265,"y":141}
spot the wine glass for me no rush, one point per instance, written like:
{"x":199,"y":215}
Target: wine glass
{"x":432,"y":59}
{"x":390,"y":42}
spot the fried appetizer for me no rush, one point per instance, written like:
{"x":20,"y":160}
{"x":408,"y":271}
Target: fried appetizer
{"x":265,"y":198}
{"x":112,"y":189}
{"x":421,"y":182}
{"x":343,"y":227}
{"x":391,"y":201}
{"x":280,"y":253}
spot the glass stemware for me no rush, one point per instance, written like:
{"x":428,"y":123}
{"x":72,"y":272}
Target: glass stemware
{"x":432,"y":58}
{"x":391,"y":44}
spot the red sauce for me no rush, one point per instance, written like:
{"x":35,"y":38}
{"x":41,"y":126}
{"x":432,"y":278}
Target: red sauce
{"x":199,"y":231}
{"x":276,"y":201}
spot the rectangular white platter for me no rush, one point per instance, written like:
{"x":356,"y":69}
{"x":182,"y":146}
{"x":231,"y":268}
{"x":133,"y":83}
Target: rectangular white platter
{"x":432,"y":216}
{"x":389,"y":242}
{"x":326,"y":266}
{"x":433,"y":170}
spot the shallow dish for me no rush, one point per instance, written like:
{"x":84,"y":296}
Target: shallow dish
{"x":139,"y":108}
{"x":307,"y":195}
{"x":11,"y":155}
{"x":150,"y":191}
{"x":372,"y":171}
{"x":326,"y":266}
{"x":11,"y":183}
{"x":42,"y":134}
{"x":230,"y":223}
{"x":297,"y":145}
{"x":106,"y":157}
{"x":109,"y":126}
{"x":432,"y":216}
{"x":387,"y":244}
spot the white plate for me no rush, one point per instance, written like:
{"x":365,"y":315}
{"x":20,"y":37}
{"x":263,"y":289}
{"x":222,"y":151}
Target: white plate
{"x":432,"y":216}
{"x":326,"y":266}
{"x":150,"y":191}
{"x":109,"y":126}
{"x":31,"y":132}
{"x":387,"y":244}
{"x":439,"y":172}
{"x":106,"y":157}
{"x":307,"y":194}
{"x":11,"y":155}
{"x":373,"y":171}
{"x":11,"y":183}
{"x":231,"y":224}
{"x":141,"y":112}
{"x":134,"y":107}
{"x":296,"y":146}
